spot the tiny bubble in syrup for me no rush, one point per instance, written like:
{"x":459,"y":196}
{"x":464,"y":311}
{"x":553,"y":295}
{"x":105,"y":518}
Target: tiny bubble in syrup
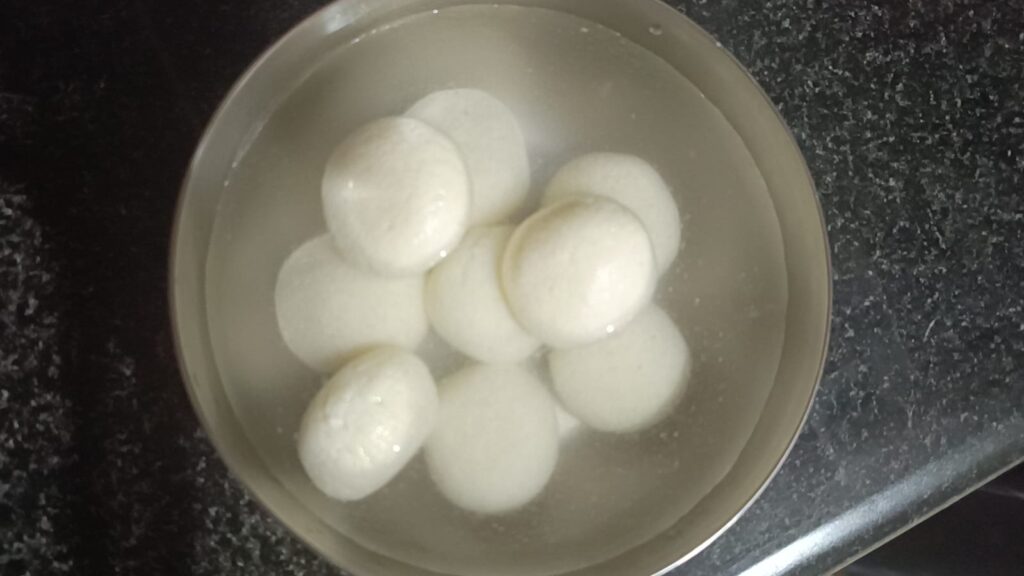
{"x":396,"y":448}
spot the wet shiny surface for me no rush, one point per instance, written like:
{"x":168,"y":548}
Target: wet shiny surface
{"x":910,"y":119}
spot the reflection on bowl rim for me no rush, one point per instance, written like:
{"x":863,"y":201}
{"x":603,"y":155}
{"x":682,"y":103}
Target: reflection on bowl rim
{"x":335,"y":17}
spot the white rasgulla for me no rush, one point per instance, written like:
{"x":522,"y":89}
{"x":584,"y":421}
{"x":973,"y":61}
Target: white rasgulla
{"x":492,"y":144}
{"x":328,"y":310}
{"x":466,"y":305}
{"x":631,"y":181}
{"x":367,"y":422}
{"x":396,"y":196}
{"x":495,"y":444}
{"x":577,"y":270}
{"x":628,"y":381}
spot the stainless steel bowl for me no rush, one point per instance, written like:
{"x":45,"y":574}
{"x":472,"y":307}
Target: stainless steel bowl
{"x":790,"y":199}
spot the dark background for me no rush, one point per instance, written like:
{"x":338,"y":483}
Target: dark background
{"x":909,"y":114}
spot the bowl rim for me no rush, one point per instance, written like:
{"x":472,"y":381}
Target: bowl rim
{"x":298,"y":29}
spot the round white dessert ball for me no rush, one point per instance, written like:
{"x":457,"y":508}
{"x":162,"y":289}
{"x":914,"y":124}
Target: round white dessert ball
{"x":495,"y":444}
{"x":466,"y":305}
{"x":631,"y":181}
{"x":492,"y":144}
{"x":367,"y":422}
{"x":396,"y":196}
{"x":578,"y":270}
{"x":328,"y":310}
{"x":628,"y":381}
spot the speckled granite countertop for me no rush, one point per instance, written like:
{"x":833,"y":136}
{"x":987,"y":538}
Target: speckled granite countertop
{"x":911,"y":118}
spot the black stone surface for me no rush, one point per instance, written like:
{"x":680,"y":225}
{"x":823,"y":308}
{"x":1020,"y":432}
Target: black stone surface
{"x":910,"y":114}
